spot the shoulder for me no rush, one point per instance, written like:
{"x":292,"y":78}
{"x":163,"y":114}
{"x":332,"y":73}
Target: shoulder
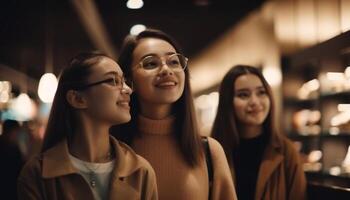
{"x":132,"y":160}
{"x":214,"y":145}
{"x":216,"y":150}
{"x":289,"y":150}
{"x":31,"y":169}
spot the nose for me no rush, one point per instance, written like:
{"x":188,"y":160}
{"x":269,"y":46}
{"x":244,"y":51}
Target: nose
{"x":126,"y":89}
{"x":165,"y":69}
{"x":254,"y":100}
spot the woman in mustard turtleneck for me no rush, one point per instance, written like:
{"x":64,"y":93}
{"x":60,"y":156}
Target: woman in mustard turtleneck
{"x":163,"y":127}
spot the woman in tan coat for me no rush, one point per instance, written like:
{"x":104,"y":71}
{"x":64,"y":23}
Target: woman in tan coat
{"x":79,"y":159}
{"x":264,"y":164}
{"x":163,"y":127}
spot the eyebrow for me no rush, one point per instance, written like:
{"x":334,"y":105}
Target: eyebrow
{"x":111,"y":73}
{"x":153,"y":54}
{"x":246,"y":89}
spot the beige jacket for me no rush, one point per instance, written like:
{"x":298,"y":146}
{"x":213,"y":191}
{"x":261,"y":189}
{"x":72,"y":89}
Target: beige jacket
{"x":280,"y":175}
{"x":51,"y":175}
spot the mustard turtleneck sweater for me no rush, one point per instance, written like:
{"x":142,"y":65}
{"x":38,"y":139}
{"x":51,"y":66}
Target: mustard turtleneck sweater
{"x":175,"y":178}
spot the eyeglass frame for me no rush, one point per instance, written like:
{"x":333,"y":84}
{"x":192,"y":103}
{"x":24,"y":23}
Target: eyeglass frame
{"x":140,"y":64}
{"x":113,"y":79}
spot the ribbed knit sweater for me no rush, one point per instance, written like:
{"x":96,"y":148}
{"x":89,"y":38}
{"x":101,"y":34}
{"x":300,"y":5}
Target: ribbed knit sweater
{"x":175,"y":178}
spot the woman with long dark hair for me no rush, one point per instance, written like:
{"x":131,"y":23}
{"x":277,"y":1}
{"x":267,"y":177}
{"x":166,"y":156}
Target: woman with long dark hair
{"x":163,"y":126}
{"x":79,"y":159}
{"x":264,"y":164}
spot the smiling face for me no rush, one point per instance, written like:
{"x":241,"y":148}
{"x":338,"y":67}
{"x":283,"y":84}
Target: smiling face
{"x":251,"y":101}
{"x":162,"y":86}
{"x":107,"y":101}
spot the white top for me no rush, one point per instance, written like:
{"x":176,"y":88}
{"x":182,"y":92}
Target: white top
{"x":99,"y":173}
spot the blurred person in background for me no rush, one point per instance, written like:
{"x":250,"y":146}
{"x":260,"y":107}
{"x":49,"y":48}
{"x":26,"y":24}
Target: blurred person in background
{"x":163,"y":127}
{"x":264,"y":163}
{"x":11,"y":159}
{"x":79,"y":159}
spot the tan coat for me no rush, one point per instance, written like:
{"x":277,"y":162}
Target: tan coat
{"x":280,"y":175}
{"x":51,"y":175}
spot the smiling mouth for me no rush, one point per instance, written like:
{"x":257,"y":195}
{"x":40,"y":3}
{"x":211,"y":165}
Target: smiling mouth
{"x":123,"y":104}
{"x":166,"y":84}
{"x":254,"y":112}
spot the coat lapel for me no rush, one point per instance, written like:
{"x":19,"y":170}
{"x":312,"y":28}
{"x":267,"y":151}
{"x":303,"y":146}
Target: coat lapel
{"x":126,"y":164}
{"x":271,"y":160}
{"x":56,"y":161}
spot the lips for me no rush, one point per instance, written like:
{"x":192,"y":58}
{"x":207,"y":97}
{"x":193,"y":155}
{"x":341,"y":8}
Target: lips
{"x":123,"y":103}
{"x":254,"y":112}
{"x":166,"y":82}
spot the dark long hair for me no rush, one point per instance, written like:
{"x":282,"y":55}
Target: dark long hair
{"x":62,"y":121}
{"x":225,"y":127}
{"x":187,"y":135}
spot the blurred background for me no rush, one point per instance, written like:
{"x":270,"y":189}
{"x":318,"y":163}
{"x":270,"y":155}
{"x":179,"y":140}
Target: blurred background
{"x":302,"y":46}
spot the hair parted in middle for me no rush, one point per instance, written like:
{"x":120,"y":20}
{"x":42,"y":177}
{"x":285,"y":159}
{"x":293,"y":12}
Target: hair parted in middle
{"x":225,"y":128}
{"x":185,"y":126}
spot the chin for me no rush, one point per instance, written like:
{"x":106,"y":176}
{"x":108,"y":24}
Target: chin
{"x":126,"y":119}
{"x":167,"y":99}
{"x":122,"y":120}
{"x":255,"y":122}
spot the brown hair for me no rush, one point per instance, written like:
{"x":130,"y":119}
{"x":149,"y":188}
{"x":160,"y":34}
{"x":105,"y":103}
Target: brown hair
{"x":61,"y":122}
{"x":185,"y":125}
{"x":225,"y":127}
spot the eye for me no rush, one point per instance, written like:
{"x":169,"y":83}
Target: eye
{"x":243,"y":95}
{"x":173,"y":61}
{"x":110,"y":81}
{"x":262,"y":92}
{"x":151,"y":63}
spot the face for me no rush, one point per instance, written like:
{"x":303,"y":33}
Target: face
{"x":108,"y":100}
{"x":163,"y":85}
{"x":251,"y":101}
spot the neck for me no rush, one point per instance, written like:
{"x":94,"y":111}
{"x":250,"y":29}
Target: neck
{"x":91,"y":143}
{"x":155,"y":111}
{"x":249,"y":131}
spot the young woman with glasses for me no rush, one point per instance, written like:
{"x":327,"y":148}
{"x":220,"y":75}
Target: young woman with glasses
{"x":79,"y":159}
{"x":264,"y":164}
{"x":163,"y":126}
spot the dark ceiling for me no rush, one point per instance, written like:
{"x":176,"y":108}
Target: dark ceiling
{"x":24,"y":28}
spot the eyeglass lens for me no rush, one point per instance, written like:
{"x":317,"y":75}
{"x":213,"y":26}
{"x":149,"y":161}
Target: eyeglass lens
{"x":175,"y":61}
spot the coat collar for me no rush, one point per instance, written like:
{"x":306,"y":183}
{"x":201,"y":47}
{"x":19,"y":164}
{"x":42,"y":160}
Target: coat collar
{"x":56,"y":161}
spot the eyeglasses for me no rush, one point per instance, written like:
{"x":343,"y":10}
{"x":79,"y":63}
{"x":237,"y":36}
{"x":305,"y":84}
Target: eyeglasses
{"x":117,"y":81}
{"x":174,"y":61}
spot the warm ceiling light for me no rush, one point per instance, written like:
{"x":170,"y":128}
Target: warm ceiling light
{"x":201,"y":2}
{"x":4,"y":97}
{"x":136,"y":29}
{"x":5,"y":86}
{"x":134,"y":4}
{"x":273,"y":75}
{"x":23,"y":107}
{"x":47,"y":87}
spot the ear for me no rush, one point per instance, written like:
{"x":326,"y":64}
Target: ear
{"x":76,"y":99}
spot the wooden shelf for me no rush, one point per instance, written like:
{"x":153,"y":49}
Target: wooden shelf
{"x":303,"y":66}
{"x":300,"y":102}
{"x":325,"y":135}
{"x":344,"y":94}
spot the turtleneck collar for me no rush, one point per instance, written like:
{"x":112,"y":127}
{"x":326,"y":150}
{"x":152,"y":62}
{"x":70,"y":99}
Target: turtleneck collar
{"x":156,"y":126}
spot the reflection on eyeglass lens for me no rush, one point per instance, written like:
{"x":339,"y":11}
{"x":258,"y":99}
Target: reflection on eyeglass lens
{"x":175,"y":61}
